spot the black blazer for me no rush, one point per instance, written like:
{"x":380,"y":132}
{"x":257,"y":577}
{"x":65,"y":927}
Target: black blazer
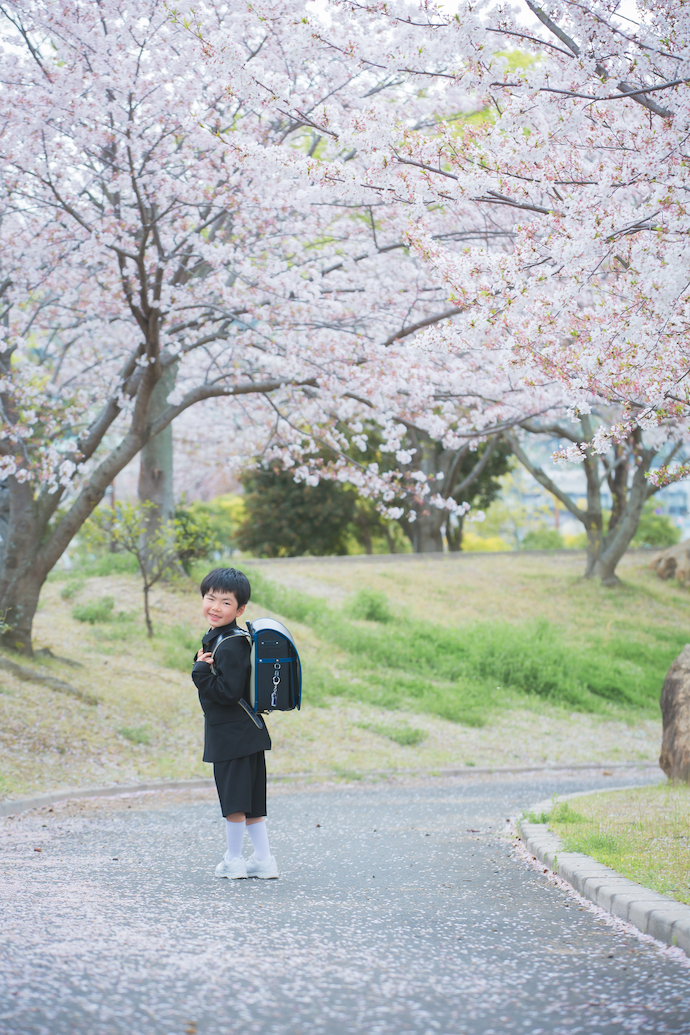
{"x":228,"y":731}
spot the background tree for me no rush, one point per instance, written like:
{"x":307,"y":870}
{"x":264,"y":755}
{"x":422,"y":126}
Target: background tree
{"x":129,"y":526}
{"x":193,"y":537}
{"x":143,"y":240}
{"x":481,"y":493}
{"x":285,"y":518}
{"x":576,"y":166}
{"x":624,"y":468}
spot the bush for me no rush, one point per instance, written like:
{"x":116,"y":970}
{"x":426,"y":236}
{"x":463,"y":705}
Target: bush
{"x":224,"y":515}
{"x":655,"y":528}
{"x":474,"y":543}
{"x":370,"y":605}
{"x":285,"y":518}
{"x":543,"y":538}
{"x":71,"y":588}
{"x":195,"y":538}
{"x":94,"y":611}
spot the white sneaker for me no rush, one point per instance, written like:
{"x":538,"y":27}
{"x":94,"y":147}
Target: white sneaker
{"x":231,"y":867}
{"x":267,"y":870}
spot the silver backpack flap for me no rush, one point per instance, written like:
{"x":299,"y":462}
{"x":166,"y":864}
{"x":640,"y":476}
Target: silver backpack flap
{"x":242,"y":703}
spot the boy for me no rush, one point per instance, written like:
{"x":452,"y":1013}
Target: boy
{"x":233,"y":741}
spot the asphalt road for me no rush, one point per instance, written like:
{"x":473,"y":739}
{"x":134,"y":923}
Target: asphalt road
{"x":400,"y":911}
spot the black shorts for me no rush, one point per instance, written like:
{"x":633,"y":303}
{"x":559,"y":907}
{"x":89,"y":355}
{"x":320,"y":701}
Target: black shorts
{"x":241,"y":785}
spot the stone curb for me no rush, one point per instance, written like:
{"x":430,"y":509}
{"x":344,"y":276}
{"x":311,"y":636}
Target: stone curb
{"x":12,"y":808}
{"x":652,"y":913}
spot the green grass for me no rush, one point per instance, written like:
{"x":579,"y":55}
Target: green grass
{"x":370,"y":605}
{"x":465,"y":672}
{"x":145,"y":683}
{"x":407,"y":736}
{"x":176,"y":647}
{"x":537,"y":817}
{"x":135,"y":734}
{"x":73,"y":586}
{"x":94,"y":611}
{"x":89,"y":565}
{"x":643,"y":834}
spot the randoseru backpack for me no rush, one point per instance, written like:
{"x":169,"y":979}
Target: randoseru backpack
{"x":275,"y":682}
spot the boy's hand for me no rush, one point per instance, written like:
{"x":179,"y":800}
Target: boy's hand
{"x":203,"y":655}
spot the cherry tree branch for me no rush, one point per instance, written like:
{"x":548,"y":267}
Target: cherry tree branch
{"x":540,"y":475}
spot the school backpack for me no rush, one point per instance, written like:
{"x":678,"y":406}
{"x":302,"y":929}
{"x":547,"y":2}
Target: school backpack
{"x":275,"y":682}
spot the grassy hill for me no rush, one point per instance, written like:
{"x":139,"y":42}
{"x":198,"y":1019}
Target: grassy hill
{"x":408,"y":663}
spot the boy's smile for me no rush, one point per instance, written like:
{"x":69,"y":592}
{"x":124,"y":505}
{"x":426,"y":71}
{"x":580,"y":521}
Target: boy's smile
{"x":220,"y":608}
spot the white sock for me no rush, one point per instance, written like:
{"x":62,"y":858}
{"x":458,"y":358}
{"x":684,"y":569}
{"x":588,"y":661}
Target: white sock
{"x":235,"y":835}
{"x":259,"y":836}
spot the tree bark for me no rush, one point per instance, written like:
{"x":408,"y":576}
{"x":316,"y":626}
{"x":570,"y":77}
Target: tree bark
{"x":444,"y":470}
{"x":431,"y":458}
{"x":156,"y":464}
{"x":618,"y":538}
{"x":147,"y":613}
{"x":426,"y":531}
{"x":454,"y":535}
{"x":604,"y":551}
{"x":22,"y":573}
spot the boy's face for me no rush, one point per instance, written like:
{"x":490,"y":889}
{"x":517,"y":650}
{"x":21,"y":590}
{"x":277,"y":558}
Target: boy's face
{"x":220,"y":608}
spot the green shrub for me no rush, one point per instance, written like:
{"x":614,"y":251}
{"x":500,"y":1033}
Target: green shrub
{"x":370,"y":605}
{"x":224,"y":515}
{"x":72,"y":587}
{"x":655,"y":528}
{"x":285,"y":518}
{"x":94,"y":611}
{"x":195,"y":538}
{"x":543,"y":538}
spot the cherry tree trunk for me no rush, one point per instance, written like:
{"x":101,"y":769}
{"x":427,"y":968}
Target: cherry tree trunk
{"x":22,"y":573}
{"x":618,"y":538}
{"x":426,"y":532}
{"x":454,"y":533}
{"x":156,"y":468}
{"x":156,"y":463}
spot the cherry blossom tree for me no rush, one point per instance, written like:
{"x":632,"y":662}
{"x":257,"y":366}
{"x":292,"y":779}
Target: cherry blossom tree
{"x":167,"y":242}
{"x":572,"y":150}
{"x":269,"y":204}
{"x":623,"y":469}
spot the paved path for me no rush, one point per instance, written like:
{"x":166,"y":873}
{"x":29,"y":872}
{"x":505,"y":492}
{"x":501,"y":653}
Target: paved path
{"x":400,"y":911}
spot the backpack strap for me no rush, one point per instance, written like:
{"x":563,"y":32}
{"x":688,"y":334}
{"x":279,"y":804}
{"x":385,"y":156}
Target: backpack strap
{"x":242,"y":703}
{"x":234,"y":632}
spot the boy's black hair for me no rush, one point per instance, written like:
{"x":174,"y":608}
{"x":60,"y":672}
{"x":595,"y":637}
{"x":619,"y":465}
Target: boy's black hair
{"x":228,"y":580}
